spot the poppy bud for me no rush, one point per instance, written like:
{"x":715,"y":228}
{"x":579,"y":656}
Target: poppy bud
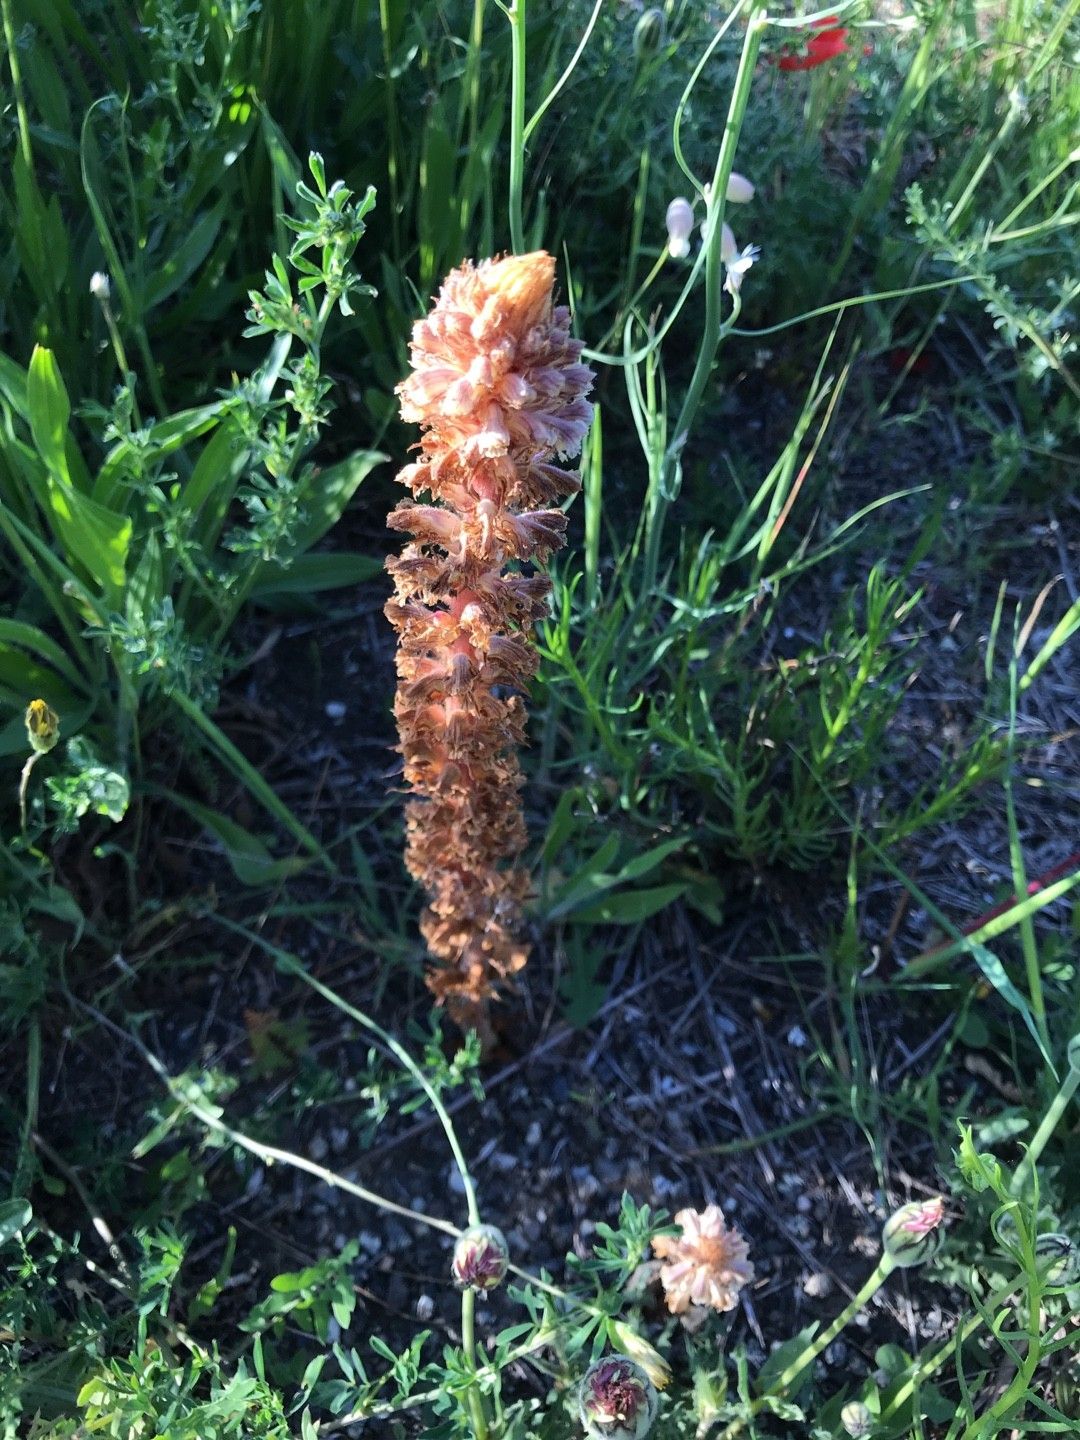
{"x":650,"y":34}
{"x":481,"y":1258}
{"x":912,"y":1235}
{"x":617,"y":1400}
{"x":856,"y":1419}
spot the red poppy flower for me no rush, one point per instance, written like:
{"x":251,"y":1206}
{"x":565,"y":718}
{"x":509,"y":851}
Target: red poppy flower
{"x":829,"y":42}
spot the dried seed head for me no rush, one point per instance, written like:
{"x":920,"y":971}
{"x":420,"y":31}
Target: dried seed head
{"x":617,"y":1400}
{"x":481,"y":1258}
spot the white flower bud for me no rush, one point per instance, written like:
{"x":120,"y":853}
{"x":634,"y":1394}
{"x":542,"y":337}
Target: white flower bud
{"x":1058,"y":1259}
{"x":739,"y":189}
{"x":680,"y":221}
{"x":100,"y":288}
{"x":650,"y":33}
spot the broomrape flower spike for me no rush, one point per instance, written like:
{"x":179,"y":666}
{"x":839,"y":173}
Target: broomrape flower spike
{"x":617,"y":1401}
{"x":706,"y":1265}
{"x":498,"y":390}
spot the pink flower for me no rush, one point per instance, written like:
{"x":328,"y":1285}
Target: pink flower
{"x":706,"y":1265}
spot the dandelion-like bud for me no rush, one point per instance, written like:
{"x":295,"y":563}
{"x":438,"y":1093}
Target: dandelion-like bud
{"x":627,"y":1339}
{"x":1058,"y":1259}
{"x":42,"y":727}
{"x":498,"y":388}
{"x":912,"y":1234}
{"x":100,"y":286}
{"x":481,"y":1258}
{"x":679,"y":221}
{"x":617,"y":1400}
{"x":706,"y":1265}
{"x":650,"y":33}
{"x":856,"y":1419}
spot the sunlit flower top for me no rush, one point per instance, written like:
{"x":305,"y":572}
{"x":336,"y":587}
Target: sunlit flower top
{"x":706,"y":1265}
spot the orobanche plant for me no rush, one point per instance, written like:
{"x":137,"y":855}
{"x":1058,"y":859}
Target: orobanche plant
{"x":130,"y":572}
{"x":499,"y":391}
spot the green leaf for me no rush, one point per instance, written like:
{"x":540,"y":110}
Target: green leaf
{"x":311,"y":573}
{"x":250,"y":860}
{"x":629,"y":907}
{"x":15,"y":1215}
{"x":49,"y":411}
{"x":29,"y":637}
{"x":332,"y":489}
{"x":187,"y":257}
{"x":96,"y":537}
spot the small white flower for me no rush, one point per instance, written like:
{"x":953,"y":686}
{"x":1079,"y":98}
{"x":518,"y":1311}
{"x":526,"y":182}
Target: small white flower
{"x":100,"y":287}
{"x":736,"y":262}
{"x":680,"y":221}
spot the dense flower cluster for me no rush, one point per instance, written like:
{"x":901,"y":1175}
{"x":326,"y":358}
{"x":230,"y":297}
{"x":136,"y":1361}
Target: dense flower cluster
{"x":498,"y":389}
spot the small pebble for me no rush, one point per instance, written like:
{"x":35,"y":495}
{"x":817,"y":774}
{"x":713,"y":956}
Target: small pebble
{"x":533,"y":1134}
{"x":817,"y":1285}
{"x":335,"y":710}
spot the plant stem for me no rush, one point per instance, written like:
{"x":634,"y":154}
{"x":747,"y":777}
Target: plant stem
{"x":24,"y":782}
{"x":293,"y":966}
{"x":1046,"y":1128}
{"x":468,"y":1343}
{"x":880,"y":1274}
{"x":516,"y":15}
{"x":714,"y":272}
{"x":33,"y":1085}
{"x":17,"y":86}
